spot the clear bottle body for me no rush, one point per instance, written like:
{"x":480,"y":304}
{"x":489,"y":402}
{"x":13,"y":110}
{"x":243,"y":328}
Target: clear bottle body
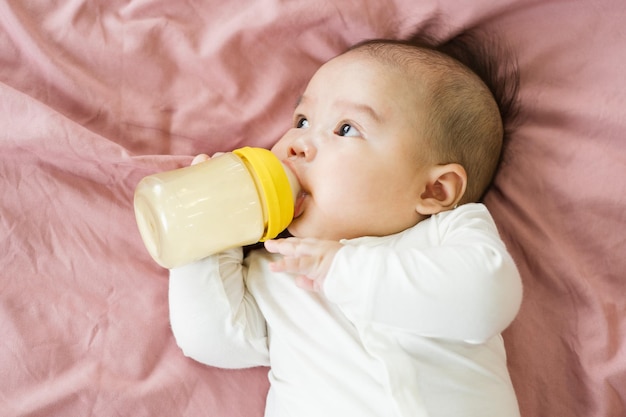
{"x":189,"y":213}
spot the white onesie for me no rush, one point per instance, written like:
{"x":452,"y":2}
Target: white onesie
{"x":407,"y":325}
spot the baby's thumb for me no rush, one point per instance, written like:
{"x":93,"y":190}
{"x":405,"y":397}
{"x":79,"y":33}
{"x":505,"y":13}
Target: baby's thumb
{"x":200,"y":158}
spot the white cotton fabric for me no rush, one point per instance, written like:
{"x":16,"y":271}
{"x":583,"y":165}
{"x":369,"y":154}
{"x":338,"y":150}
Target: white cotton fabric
{"x":407,"y":325}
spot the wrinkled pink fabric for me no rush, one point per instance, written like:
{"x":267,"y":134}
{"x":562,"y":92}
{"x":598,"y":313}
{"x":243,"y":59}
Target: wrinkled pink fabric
{"x":94,"y":95}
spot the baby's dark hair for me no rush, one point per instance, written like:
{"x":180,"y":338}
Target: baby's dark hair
{"x":472,"y":88}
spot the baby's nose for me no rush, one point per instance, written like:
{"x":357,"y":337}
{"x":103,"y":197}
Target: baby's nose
{"x":301,"y":148}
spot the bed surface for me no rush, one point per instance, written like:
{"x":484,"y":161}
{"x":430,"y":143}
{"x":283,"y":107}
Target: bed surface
{"x":94,"y":95}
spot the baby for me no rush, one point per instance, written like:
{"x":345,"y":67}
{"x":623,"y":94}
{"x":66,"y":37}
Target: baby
{"x":390,"y":297}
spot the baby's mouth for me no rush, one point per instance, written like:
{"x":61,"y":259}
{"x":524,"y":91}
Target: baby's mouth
{"x":302,"y":193}
{"x":299,"y":204}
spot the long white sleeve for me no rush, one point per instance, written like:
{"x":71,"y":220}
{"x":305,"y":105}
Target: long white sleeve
{"x":214,"y":318}
{"x":449,"y":277}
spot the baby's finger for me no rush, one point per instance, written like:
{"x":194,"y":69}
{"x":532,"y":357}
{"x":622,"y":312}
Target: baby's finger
{"x":200,"y":158}
{"x":306,"y":283}
{"x":271,"y":246}
{"x":279,"y":265}
{"x":300,"y":265}
{"x":285,"y":247}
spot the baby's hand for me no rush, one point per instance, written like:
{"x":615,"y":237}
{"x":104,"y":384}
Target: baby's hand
{"x":204,"y":157}
{"x":310,"y":259}
{"x":200,"y":158}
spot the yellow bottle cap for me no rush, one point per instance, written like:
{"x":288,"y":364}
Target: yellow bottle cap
{"x":274,"y":186}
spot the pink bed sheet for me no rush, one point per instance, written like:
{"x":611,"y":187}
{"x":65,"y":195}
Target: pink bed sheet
{"x":94,"y":95}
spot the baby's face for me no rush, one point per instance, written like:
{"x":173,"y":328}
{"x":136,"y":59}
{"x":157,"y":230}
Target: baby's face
{"x":355,"y":146}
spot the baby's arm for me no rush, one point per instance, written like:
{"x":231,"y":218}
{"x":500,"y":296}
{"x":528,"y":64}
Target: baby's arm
{"x":213,"y":317}
{"x":466,"y":288}
{"x":468,"y":292}
{"x":462,"y":286}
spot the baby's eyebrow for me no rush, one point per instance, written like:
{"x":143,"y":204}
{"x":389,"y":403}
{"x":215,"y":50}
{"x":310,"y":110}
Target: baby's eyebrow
{"x":298,"y":101}
{"x":363,"y":108}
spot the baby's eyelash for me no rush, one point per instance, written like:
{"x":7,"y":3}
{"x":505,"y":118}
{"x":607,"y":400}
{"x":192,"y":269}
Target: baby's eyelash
{"x":347,"y":129}
{"x":344,"y":129}
{"x":301,"y":122}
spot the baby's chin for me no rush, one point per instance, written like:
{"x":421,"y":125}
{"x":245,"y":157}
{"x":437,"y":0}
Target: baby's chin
{"x":302,"y":229}
{"x":305,"y":229}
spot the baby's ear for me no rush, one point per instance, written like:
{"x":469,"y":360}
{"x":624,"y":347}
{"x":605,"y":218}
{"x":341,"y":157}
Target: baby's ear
{"x":444,"y":189}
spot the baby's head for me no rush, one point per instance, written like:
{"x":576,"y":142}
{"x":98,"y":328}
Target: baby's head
{"x":386,"y":135}
{"x":459,"y":121}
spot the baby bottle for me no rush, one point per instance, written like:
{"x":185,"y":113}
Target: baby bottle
{"x":234,"y":199}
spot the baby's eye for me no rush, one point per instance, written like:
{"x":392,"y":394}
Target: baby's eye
{"x":347,"y":130}
{"x":302,"y":123}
